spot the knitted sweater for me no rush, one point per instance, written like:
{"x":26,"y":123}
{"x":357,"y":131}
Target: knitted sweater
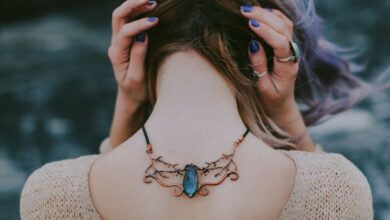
{"x":327,"y":186}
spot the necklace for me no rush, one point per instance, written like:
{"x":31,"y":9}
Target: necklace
{"x":162,"y":171}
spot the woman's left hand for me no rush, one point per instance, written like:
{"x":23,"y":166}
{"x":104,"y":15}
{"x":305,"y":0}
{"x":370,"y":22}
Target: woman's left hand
{"x":276,"y":88}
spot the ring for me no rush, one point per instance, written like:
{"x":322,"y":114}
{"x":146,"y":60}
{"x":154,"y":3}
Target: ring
{"x":295,"y":54}
{"x":258,"y":75}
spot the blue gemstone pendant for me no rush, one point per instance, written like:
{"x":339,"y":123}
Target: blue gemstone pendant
{"x":221,"y":169}
{"x":190,"y":181}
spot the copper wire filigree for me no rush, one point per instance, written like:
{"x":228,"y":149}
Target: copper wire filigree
{"x":221,"y":169}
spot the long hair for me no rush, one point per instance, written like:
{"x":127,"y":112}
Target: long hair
{"x":217,"y":30}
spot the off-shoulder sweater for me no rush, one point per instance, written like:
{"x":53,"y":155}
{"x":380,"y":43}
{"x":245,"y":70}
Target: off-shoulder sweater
{"x":327,"y":186}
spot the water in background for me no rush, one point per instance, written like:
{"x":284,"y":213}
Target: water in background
{"x":57,"y":93}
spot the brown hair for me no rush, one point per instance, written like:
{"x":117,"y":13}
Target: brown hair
{"x":217,"y":30}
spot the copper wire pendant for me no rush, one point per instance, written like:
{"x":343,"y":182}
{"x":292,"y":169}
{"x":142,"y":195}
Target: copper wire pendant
{"x":191,"y":183}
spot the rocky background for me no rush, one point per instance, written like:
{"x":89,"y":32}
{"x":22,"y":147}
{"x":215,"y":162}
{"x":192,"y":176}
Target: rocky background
{"x":57,"y":89}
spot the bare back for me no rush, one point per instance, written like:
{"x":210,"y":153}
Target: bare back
{"x":264,"y":187}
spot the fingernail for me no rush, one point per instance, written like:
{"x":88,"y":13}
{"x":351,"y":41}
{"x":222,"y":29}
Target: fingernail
{"x":152,"y":19}
{"x":268,"y":9}
{"x":254,"y":23}
{"x":140,"y":37}
{"x":246,"y":8}
{"x":151,"y":2}
{"x":254,"y":46}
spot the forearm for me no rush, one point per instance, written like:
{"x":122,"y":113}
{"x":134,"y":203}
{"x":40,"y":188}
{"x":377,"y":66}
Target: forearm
{"x":292,"y":122}
{"x":127,"y":119}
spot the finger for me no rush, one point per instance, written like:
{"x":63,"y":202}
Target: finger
{"x":281,"y":47}
{"x":277,"y":41}
{"x":268,"y":17}
{"x":136,"y":72}
{"x":120,"y":14}
{"x":258,"y":61}
{"x":142,"y":9}
{"x":287,"y":21}
{"x":120,"y":48}
{"x":124,"y":36}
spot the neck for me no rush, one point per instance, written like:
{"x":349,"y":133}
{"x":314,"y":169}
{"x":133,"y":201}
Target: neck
{"x":194,"y":102}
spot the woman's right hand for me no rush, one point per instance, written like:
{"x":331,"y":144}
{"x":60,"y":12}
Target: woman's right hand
{"x":128,"y":48}
{"x":127,"y":54}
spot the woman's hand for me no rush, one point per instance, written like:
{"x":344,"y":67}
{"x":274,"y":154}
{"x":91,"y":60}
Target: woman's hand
{"x":276,"y":88}
{"x":127,"y":54}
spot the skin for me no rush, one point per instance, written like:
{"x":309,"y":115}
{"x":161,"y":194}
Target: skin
{"x":277,"y":89}
{"x":267,"y":176}
{"x":127,"y":57}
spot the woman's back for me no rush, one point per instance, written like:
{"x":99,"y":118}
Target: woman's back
{"x":197,"y":124}
{"x":322,"y":186}
{"x":266,"y":181}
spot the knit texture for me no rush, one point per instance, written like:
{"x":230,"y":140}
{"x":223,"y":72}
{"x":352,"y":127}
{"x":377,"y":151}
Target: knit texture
{"x":59,"y":190}
{"x":327,"y":186}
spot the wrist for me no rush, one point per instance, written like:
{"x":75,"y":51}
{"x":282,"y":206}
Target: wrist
{"x":286,"y":113}
{"x":289,"y":119}
{"x":125,"y":105}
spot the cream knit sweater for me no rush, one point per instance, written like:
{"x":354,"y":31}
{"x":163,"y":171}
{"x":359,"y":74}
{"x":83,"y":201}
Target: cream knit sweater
{"x":327,"y":186}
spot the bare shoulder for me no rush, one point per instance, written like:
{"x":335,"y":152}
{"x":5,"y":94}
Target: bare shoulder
{"x":55,"y":187}
{"x":330,"y":182}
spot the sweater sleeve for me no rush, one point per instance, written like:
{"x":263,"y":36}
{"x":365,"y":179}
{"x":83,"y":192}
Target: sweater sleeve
{"x":356,"y":190}
{"x":328,"y":186}
{"x":59,"y":190}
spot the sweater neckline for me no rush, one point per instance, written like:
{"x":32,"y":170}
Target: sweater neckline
{"x":296,"y":180}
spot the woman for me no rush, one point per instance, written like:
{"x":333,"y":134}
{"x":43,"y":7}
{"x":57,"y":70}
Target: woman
{"x":220,"y":77}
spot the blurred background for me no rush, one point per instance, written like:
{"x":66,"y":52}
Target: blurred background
{"x":57,"y":89}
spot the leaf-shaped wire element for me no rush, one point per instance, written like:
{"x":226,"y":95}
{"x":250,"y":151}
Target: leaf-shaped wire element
{"x":222,"y":168}
{"x":152,"y":172}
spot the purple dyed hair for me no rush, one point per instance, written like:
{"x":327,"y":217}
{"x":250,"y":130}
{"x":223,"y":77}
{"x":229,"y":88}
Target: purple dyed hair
{"x":326,"y":84}
{"x":218,"y":31}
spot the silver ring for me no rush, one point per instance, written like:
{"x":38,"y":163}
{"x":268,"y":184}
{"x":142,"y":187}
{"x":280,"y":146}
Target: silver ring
{"x":295,"y":54}
{"x":258,"y":75}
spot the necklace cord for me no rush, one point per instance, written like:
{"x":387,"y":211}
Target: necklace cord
{"x":148,"y":141}
{"x":145,"y":134}
{"x":221,"y":169}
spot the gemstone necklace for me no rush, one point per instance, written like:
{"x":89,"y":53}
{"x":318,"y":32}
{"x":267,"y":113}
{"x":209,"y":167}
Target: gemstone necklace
{"x":191,"y":183}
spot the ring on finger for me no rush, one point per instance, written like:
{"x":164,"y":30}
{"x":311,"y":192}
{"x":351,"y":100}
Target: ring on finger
{"x":294,"y":56}
{"x":258,"y":75}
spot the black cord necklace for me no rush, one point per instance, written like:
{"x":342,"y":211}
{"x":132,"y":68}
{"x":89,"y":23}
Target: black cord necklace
{"x":161,"y":171}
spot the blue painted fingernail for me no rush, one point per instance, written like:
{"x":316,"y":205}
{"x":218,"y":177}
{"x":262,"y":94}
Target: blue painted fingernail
{"x":254,"y":23}
{"x":268,"y":9}
{"x":140,"y":37}
{"x":151,"y":2}
{"x":254,"y":46}
{"x":246,"y":8}
{"x":152,"y":19}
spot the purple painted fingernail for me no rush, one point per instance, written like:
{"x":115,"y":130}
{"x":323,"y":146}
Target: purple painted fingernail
{"x":246,"y":8}
{"x":152,"y":19}
{"x":254,"y":23}
{"x":151,"y":2}
{"x":254,"y":46}
{"x":140,"y":37}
